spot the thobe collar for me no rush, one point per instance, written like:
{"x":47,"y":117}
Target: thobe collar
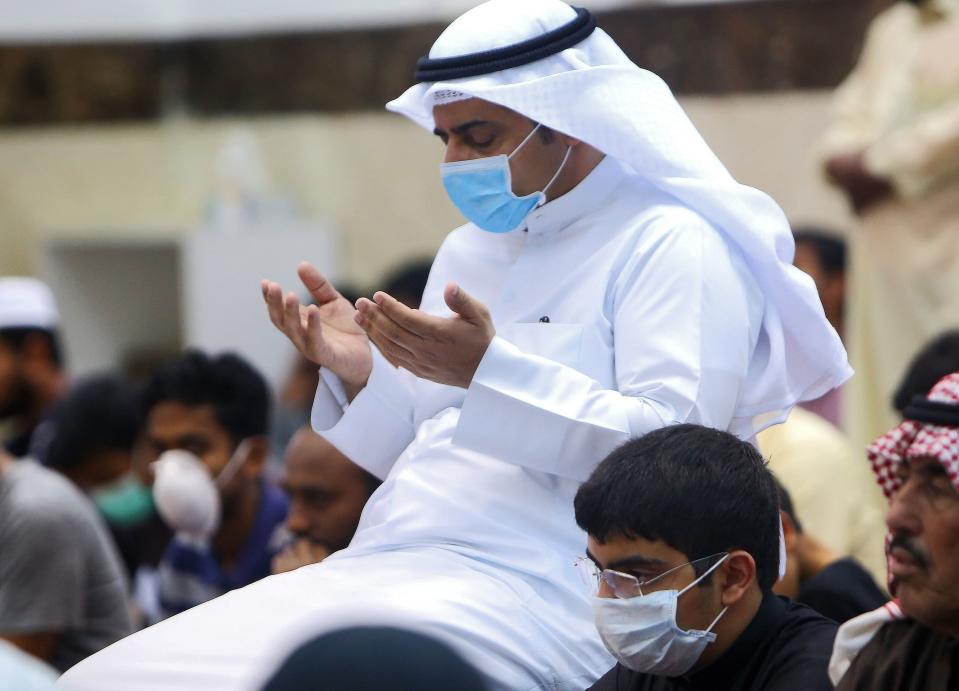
{"x":586,"y":197}
{"x":723,"y":673}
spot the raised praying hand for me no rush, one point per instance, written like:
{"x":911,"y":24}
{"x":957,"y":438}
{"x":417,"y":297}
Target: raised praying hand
{"x":443,"y":350}
{"x":324,"y":333}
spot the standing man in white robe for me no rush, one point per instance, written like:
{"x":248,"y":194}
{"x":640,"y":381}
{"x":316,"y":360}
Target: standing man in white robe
{"x":613,"y":279}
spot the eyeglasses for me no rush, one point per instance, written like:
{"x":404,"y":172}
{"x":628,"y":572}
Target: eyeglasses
{"x":623,"y":585}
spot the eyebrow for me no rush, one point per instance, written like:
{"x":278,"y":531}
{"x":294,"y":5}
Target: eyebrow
{"x":184,"y":441}
{"x":632,"y":560}
{"x":462,"y":128}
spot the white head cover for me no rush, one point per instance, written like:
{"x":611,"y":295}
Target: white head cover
{"x":593,"y":92}
{"x":27,"y":303}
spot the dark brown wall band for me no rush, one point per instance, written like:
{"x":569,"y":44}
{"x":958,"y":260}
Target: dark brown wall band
{"x":762,"y":45}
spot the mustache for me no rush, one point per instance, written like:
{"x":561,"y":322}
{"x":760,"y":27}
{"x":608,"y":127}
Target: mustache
{"x":906,"y":543}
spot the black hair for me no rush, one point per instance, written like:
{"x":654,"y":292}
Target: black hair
{"x":699,"y":490}
{"x":829,"y":246}
{"x":938,"y":357}
{"x":17,"y":336}
{"x":408,"y":279}
{"x":786,"y":504}
{"x":407,"y":661}
{"x":237,"y":392}
{"x":99,"y":414}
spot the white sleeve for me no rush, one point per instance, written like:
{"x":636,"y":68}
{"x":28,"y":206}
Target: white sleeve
{"x":377,"y":426}
{"x":685,"y":318}
{"x":919,"y":153}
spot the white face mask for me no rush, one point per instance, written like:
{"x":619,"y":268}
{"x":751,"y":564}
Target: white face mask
{"x":186,"y":494}
{"x":641,"y":632}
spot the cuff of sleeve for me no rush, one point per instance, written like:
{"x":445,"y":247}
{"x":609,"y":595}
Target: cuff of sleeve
{"x":336,"y":387}
{"x":328,"y":403}
{"x":373,"y":432}
{"x":501,"y":411}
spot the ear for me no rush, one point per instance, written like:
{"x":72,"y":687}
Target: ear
{"x":790,"y":534}
{"x":738,"y":574}
{"x":257,"y":453}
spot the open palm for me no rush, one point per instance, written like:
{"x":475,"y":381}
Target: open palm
{"x":324,"y":333}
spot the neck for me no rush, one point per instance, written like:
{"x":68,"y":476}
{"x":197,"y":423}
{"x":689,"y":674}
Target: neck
{"x":582,"y":160}
{"x":730,"y":627}
{"x":237,"y":523}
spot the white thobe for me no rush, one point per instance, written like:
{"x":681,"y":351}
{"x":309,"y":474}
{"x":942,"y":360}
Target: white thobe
{"x":900,"y":108}
{"x":617,"y":312}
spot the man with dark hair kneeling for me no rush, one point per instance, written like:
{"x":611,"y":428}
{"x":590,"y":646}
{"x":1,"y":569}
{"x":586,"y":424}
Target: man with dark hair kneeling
{"x":683,"y":545}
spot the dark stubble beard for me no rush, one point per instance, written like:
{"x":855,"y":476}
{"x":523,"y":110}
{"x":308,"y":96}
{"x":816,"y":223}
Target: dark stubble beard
{"x":20,"y":400}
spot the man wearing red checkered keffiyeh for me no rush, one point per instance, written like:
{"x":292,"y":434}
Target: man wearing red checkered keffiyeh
{"x":913,"y":643}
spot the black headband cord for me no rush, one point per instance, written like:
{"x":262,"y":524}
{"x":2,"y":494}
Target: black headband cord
{"x":932,"y":412}
{"x":522,"y":53}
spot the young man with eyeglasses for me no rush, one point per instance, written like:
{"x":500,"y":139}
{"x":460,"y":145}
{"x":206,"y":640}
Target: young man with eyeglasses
{"x":683,"y":549}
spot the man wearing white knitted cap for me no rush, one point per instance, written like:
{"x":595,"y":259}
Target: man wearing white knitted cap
{"x":31,"y":368}
{"x":612,"y":279}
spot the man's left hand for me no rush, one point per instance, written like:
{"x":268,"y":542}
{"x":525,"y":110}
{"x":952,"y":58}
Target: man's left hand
{"x":446,"y":351}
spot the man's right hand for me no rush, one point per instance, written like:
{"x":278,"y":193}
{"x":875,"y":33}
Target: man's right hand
{"x":863,"y":189}
{"x":324,"y":333}
{"x":300,"y":553}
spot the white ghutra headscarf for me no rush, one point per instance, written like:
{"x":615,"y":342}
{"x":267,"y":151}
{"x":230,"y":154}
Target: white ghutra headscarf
{"x":593,"y":92}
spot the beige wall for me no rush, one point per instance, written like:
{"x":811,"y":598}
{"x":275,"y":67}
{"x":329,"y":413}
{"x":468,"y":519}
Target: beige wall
{"x":373,"y":175}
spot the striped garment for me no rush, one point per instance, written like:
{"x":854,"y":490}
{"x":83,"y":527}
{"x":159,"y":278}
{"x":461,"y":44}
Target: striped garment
{"x":189,"y":573}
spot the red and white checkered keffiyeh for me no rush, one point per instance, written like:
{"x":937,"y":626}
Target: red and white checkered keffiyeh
{"x":914,"y":439}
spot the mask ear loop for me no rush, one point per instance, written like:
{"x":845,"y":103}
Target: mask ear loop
{"x":233,"y":465}
{"x":523,"y":143}
{"x":559,"y":170}
{"x":708,"y":571}
{"x":716,"y":620}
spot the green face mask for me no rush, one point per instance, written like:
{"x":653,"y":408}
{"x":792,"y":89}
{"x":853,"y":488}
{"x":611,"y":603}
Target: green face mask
{"x":125,"y":503}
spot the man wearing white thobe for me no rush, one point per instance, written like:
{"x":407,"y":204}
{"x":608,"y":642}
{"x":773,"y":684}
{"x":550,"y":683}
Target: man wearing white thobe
{"x":613,"y":279}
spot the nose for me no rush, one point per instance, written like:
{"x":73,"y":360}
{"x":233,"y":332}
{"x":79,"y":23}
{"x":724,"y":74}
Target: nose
{"x":457,"y":151}
{"x":298,"y":520}
{"x":903,"y":516}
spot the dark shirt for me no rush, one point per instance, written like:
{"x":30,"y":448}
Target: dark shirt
{"x":19,"y":445}
{"x":841,"y":591}
{"x":905,"y":656}
{"x":786,"y":647}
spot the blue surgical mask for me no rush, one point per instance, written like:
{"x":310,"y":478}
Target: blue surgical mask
{"x":482,"y":189}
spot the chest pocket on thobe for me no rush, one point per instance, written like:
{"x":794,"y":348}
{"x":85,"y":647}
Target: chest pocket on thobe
{"x":562,"y":343}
